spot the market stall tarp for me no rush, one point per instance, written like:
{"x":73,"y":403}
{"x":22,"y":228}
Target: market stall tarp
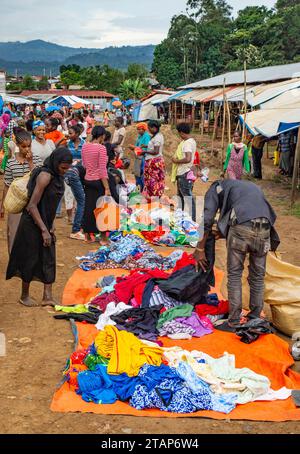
{"x":69,"y":101}
{"x":268,"y":356}
{"x":272,"y":122}
{"x":17,"y":100}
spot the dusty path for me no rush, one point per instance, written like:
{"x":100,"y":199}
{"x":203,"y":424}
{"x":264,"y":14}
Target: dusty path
{"x":30,"y":372}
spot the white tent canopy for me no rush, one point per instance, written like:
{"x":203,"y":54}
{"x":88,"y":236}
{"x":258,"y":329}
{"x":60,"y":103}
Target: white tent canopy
{"x":71,"y":100}
{"x":17,"y":100}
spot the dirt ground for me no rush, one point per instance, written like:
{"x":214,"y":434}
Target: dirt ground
{"x":38,"y":346}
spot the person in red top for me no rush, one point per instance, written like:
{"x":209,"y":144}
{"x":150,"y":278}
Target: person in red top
{"x":53,"y":134}
{"x":89,"y":120}
{"x":94,"y":160}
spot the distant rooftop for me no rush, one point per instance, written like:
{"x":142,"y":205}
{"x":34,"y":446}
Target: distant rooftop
{"x":258,"y":75}
{"x":79,"y":93}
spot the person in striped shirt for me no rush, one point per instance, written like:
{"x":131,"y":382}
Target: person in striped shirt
{"x":18,"y":166}
{"x":94,"y":160}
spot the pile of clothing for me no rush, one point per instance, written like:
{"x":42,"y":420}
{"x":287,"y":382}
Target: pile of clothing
{"x":161,"y":225}
{"x":119,"y":366}
{"x":129,"y":252}
{"x":152,"y":303}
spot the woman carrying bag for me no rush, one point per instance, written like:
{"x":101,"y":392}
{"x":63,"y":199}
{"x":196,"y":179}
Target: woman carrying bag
{"x":33,"y":256}
{"x":17,"y":167}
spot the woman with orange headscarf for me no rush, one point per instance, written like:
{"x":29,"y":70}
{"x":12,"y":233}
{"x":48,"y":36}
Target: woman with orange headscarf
{"x":141,"y":145}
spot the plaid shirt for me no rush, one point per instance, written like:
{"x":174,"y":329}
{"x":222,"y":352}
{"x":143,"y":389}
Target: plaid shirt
{"x":10,"y":128}
{"x":285,"y":141}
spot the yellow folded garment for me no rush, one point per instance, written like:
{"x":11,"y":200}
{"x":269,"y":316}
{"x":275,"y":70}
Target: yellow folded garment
{"x":126,"y":352}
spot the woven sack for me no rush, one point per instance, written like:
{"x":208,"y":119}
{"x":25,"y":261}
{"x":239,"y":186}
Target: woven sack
{"x":17,"y":196}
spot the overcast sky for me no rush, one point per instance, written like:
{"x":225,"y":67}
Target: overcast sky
{"x":94,"y":23}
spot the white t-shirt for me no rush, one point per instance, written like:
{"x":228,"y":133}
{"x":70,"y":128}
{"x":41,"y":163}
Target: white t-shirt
{"x":42,"y":151}
{"x":189,"y":146}
{"x":156,"y":141}
{"x":116,"y":136}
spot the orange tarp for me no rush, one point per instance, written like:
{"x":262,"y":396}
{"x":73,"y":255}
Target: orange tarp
{"x":268,"y":356}
{"x":81,"y":287}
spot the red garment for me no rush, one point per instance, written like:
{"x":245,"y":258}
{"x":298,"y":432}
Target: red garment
{"x":206,"y":309}
{"x":102,"y":301}
{"x":186,"y":260}
{"x":126,"y":288}
{"x":197,"y":159}
{"x":153,"y":235}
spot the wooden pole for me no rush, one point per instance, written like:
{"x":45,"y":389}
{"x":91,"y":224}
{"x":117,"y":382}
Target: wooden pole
{"x":224,"y":123}
{"x":209,"y":113}
{"x":245,"y":99}
{"x":193,"y":116}
{"x":216,"y":119}
{"x":229,"y":121}
{"x":175,"y":114}
{"x":296,"y":170}
{"x":202,"y":120}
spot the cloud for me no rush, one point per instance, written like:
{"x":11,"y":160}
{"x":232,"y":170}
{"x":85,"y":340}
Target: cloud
{"x":92,"y":23}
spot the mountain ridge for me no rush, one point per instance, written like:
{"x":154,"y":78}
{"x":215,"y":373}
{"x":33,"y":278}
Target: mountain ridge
{"x":35,"y":56}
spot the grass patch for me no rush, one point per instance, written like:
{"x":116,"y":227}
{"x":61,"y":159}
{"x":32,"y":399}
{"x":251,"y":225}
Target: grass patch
{"x":295,"y":211}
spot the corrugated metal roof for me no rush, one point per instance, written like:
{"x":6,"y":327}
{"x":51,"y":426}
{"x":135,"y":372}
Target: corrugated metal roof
{"x":80,"y":93}
{"x":267,"y":122}
{"x":264,"y":93}
{"x":288,"y":100}
{"x":269,"y":73}
{"x":179,"y":94}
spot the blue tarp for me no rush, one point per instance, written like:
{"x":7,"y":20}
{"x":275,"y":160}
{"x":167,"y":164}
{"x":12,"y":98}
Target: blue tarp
{"x":136,"y":113}
{"x":284,"y":127}
{"x":180,"y":93}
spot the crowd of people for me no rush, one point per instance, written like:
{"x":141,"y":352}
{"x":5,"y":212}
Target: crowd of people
{"x":69,"y":155}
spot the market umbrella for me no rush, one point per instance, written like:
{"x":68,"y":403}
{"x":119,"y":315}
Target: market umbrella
{"x":117,"y":104}
{"x":52,"y":108}
{"x":78,"y":105}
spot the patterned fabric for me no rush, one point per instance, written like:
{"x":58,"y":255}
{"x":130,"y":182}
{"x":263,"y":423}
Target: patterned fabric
{"x":235,"y":166}
{"x":171,"y":396}
{"x":159,"y":297}
{"x":14,"y":169}
{"x":175,"y":327}
{"x":154,"y":177}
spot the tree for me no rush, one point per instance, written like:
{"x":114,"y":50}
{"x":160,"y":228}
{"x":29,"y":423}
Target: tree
{"x":71,"y":77}
{"x":167,"y":67}
{"x":194,"y":47}
{"x":132,"y":89}
{"x":43,"y":83}
{"x":136,"y":71}
{"x":28,"y":83}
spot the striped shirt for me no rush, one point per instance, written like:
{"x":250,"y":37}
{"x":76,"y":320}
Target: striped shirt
{"x":94,"y":160}
{"x":14,"y":169}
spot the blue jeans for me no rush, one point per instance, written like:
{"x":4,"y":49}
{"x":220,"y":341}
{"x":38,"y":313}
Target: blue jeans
{"x":73,"y":180}
{"x":185,"y":193}
{"x":243,"y":241}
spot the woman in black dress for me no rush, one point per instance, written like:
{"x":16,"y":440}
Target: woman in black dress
{"x":33,"y":256}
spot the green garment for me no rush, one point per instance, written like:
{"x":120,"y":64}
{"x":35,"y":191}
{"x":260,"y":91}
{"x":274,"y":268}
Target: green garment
{"x":246,"y":161}
{"x":79,"y":309}
{"x":92,"y":361}
{"x":180,"y":311}
{"x":6,"y":153}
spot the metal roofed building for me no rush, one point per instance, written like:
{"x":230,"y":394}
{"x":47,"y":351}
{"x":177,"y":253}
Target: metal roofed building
{"x":258,"y":75}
